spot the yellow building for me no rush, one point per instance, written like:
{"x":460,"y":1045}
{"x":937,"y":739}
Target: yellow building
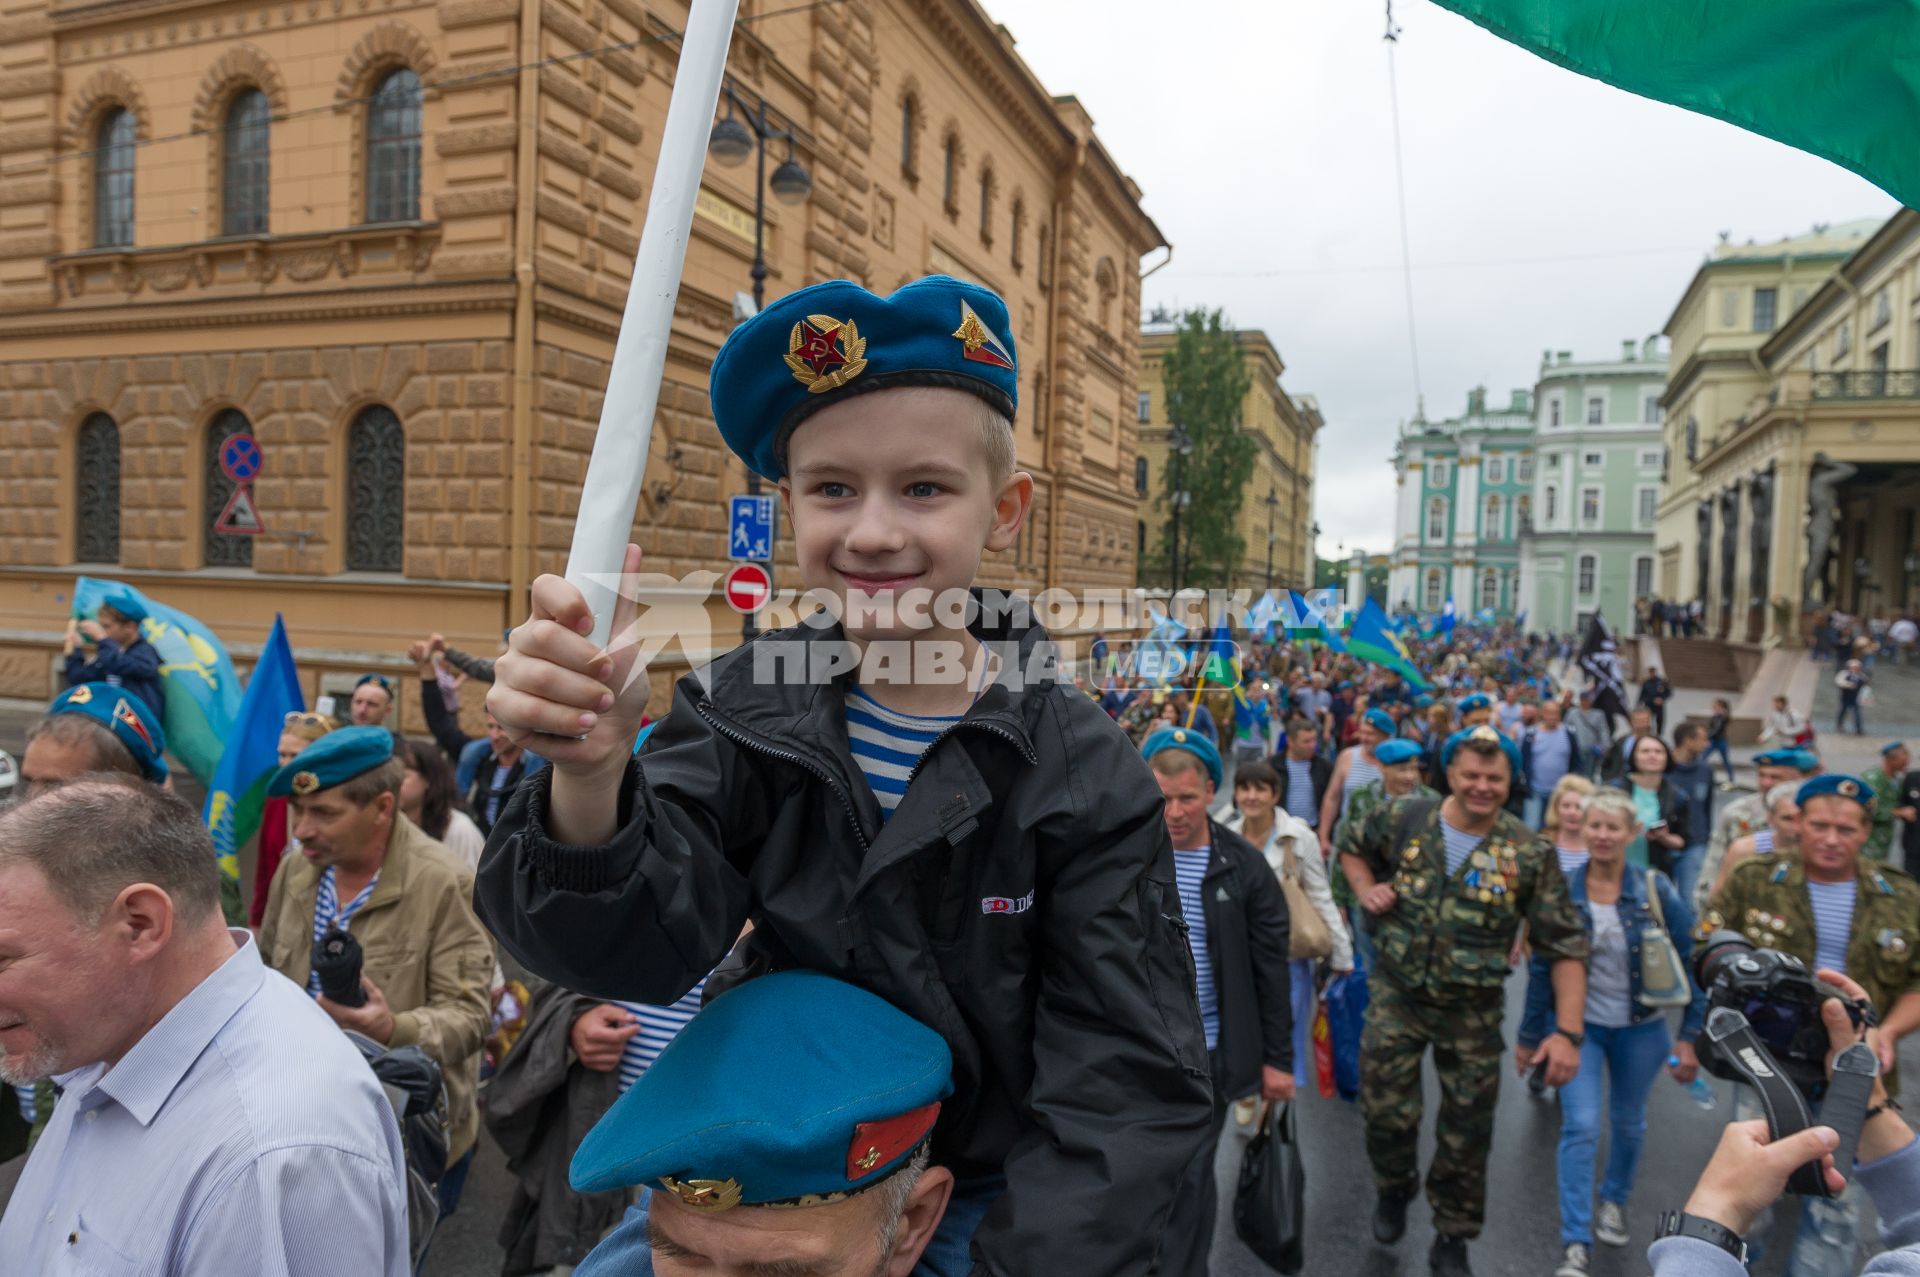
{"x":1276,"y":506}
{"x":1791,"y":409}
{"x":392,"y":240}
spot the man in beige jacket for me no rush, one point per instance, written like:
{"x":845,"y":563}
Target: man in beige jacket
{"x":364,"y":868}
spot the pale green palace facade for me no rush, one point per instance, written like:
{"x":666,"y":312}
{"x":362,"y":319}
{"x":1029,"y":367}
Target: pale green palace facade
{"x":1544,"y":508}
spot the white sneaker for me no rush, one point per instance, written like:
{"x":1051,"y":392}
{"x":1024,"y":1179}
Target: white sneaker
{"x":1573,"y":1262}
{"x":1610,"y":1224}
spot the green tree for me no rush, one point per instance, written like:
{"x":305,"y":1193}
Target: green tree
{"x":1206,"y":385}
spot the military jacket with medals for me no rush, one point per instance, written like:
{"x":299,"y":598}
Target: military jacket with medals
{"x":1448,"y":935}
{"x":1766,"y":900}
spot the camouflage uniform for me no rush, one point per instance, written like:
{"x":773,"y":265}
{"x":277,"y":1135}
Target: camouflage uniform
{"x":1348,"y":837}
{"x":1886,"y":796}
{"x":1766,"y":900}
{"x":1439,"y":982}
{"x":1737,"y":819}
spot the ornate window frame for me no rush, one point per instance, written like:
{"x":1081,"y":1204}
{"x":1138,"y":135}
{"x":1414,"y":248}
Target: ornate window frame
{"x":387,"y":47}
{"x":243,"y":67}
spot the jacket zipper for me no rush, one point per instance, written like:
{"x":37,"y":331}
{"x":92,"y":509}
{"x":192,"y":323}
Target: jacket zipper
{"x":975,"y":725}
{"x":740,"y":737}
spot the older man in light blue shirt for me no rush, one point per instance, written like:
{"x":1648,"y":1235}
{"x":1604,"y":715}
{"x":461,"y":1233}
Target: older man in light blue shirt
{"x":214,"y":1121}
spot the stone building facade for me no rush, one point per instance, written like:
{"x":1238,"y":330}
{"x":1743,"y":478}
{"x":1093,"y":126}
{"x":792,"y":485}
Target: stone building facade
{"x":1276,"y":535}
{"x":392,"y":240}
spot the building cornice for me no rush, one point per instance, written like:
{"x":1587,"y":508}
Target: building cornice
{"x":1897,"y":235}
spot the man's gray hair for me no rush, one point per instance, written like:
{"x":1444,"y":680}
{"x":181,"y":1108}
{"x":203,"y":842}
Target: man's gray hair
{"x":894,"y":1192}
{"x":78,"y":731}
{"x":98,"y":834}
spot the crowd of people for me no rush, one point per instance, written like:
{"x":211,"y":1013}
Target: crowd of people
{"x":884,"y":972}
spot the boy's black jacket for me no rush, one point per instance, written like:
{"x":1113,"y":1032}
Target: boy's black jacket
{"x":1021,"y":901}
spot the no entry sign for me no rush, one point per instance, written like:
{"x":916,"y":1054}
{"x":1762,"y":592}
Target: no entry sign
{"x":747,"y":586}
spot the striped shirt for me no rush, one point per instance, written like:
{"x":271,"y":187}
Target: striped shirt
{"x":1832,"y":922}
{"x":888,"y":745}
{"x":242,"y":1133}
{"x":1460,"y":845}
{"x":1300,"y":791}
{"x":658,"y":1026}
{"x":1570,"y":859}
{"x":327,"y":911}
{"x":1361,"y":772}
{"x":1762,"y":842}
{"x":1189,"y":871}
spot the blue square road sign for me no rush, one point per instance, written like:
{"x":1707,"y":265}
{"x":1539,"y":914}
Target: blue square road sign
{"x":750,"y":529}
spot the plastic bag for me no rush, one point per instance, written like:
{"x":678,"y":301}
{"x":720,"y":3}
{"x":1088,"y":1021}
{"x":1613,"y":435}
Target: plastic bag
{"x":1322,"y":1035}
{"x":1346,"y":1003}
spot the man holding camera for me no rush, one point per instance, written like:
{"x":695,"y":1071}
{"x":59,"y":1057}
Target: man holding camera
{"x":1833,"y":910}
{"x":366,"y":870}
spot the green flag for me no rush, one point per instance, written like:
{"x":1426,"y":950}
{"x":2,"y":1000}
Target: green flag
{"x":1838,"y":78}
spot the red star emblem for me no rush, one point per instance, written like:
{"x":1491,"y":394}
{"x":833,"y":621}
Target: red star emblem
{"x":818,"y":351}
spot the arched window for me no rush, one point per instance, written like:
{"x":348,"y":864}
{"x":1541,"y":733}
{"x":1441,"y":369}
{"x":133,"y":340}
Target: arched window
{"x":1432,"y":601}
{"x":909,"y":108}
{"x":1587,"y":565}
{"x":1490,"y":589}
{"x":950,"y":173}
{"x":1019,"y":226}
{"x":222,"y":549}
{"x":1437,"y":519}
{"x":393,"y":149}
{"x":1490,"y":523}
{"x":986,"y":204}
{"x":96,"y":506}
{"x":113,"y":180}
{"x":376,"y":492}
{"x":243,"y":169}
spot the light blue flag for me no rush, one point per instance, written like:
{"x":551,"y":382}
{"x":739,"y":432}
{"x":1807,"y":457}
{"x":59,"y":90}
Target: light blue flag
{"x":238,"y":792}
{"x":196,"y":675}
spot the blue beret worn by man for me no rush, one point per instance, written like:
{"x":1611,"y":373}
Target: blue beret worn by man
{"x":83,"y":720}
{"x":903,"y":776}
{"x":821,"y":1163}
{"x":1394,"y":752}
{"x":121,"y":657}
{"x":1195,"y":743}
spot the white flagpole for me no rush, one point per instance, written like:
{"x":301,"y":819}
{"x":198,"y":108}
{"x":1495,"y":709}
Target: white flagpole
{"x":611,"y":492}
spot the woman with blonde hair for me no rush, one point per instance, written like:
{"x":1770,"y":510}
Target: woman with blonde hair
{"x":1565,"y":824}
{"x":299,"y":730}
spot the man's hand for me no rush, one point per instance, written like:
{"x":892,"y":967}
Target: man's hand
{"x":1275,"y":1087}
{"x":1689,"y":1066}
{"x":599,"y":1036}
{"x":1563,"y":1059}
{"x":1523,"y":1058}
{"x":583,"y":702}
{"x":420,"y":652}
{"x":1379,"y":899}
{"x":375,"y":1019}
{"x":1842,"y":1034}
{"x":1747,"y":1173}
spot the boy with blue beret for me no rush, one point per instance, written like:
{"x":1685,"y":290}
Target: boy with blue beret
{"x":121,"y":657}
{"x":905,"y":796}
{"x":821,"y":1165}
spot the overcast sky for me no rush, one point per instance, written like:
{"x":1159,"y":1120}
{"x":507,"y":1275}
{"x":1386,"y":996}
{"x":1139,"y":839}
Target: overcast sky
{"x":1545,"y":210}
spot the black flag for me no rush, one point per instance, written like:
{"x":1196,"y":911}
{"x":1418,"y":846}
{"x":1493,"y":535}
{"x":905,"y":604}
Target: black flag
{"x":1600,"y":660}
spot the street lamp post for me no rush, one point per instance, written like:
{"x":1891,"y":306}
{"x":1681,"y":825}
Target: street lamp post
{"x":1272,"y":501}
{"x":730,"y":143}
{"x":1179,"y":444}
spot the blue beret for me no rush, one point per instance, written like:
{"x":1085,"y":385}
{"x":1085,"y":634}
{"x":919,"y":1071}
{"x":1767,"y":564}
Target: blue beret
{"x":1890,"y":746}
{"x":857,"y":1088}
{"x":1381,"y":721}
{"x":831,"y":340}
{"x":1482,"y":732}
{"x":1387,"y":753}
{"x":124,"y":601}
{"x":1422,"y":701}
{"x":1194,"y":742}
{"x":1476,"y":701}
{"x":123,"y":714}
{"x":1801,"y":760}
{"x":1773,"y":757}
{"x":1838,"y":786}
{"x":334,"y":759}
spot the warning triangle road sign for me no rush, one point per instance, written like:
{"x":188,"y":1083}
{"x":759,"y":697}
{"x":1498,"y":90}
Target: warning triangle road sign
{"x":240,"y":518}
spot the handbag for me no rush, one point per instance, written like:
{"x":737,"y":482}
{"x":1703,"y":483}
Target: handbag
{"x":1308,"y":936}
{"x":1346,"y":1003}
{"x":1663,"y":977}
{"x":1270,"y":1204}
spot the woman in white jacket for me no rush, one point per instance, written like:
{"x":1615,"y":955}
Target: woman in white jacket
{"x":1293,"y":850}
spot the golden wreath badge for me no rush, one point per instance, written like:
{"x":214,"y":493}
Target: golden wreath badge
{"x":824,"y":353}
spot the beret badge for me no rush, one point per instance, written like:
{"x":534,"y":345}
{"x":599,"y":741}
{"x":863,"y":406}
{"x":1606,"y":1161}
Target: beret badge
{"x":305,"y":783}
{"x":708,"y":1196}
{"x":1847,"y":789}
{"x":80,"y":695}
{"x":825,"y":353}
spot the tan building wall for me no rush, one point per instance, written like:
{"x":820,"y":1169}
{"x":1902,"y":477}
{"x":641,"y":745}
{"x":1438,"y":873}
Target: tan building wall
{"x":1285,"y":428}
{"x":1840,"y":388}
{"x":488,"y":324}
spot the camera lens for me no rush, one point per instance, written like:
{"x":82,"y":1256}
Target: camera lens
{"x":1722,"y":953}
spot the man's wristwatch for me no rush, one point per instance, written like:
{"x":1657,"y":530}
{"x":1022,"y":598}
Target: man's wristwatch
{"x":1578,"y":1039}
{"x":1680,"y":1224}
